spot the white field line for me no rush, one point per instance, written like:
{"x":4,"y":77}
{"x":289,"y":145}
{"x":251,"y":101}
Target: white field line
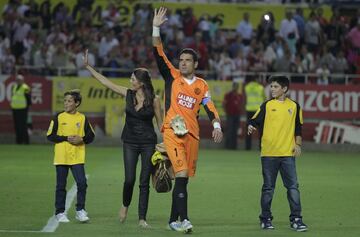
{"x":52,"y":223}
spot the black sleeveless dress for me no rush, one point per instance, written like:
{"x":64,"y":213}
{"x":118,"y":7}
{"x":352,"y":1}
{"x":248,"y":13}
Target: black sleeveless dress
{"x":139,"y":128}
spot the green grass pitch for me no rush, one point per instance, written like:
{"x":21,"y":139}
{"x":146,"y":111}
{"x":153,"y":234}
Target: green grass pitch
{"x":223,"y":197}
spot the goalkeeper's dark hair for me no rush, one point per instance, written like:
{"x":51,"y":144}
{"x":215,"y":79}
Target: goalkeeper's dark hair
{"x":143,"y":75}
{"x":282,"y":80}
{"x":75,"y":94}
{"x":190,"y":51}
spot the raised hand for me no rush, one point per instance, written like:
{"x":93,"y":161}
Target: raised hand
{"x":159,"y":16}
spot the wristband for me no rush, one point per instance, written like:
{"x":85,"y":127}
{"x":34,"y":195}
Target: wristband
{"x":217,"y":125}
{"x":298,"y":144}
{"x":156,"y":31}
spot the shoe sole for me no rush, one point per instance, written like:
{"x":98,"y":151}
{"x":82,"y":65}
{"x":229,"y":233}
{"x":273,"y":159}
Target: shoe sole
{"x":188,"y":231}
{"x":299,"y":230}
{"x":83,"y":221}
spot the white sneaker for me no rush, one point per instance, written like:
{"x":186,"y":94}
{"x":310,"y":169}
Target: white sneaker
{"x":175,"y":226}
{"x":186,"y":226}
{"x":82,"y":216}
{"x":61,"y":217}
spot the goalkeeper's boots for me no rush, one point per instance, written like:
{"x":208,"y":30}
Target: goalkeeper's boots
{"x":186,"y":226}
{"x":82,"y":216}
{"x":61,"y":217}
{"x":266,"y":224}
{"x":175,"y":226}
{"x":298,"y":225}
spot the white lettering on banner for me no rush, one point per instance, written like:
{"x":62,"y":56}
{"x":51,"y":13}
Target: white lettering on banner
{"x":6,"y":91}
{"x":36,"y":93}
{"x":327,"y":101}
{"x":186,"y":101}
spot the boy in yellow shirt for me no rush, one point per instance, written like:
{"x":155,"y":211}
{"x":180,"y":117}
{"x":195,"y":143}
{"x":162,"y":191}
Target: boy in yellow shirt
{"x":70,"y":131}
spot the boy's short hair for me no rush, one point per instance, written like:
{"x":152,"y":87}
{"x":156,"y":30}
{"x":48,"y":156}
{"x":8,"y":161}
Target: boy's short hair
{"x":75,"y":94}
{"x":190,"y":51}
{"x":282,"y":80}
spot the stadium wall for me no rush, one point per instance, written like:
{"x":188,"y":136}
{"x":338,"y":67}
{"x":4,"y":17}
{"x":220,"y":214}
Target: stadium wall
{"x":106,"y":110}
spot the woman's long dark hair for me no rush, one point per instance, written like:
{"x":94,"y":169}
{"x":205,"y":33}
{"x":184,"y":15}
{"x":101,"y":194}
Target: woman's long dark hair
{"x":143,"y":75}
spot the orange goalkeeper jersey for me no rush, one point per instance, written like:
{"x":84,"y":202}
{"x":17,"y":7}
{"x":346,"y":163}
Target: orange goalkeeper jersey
{"x":183,"y":98}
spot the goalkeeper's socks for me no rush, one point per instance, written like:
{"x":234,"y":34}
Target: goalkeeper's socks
{"x":174,"y":215}
{"x":181,"y":196}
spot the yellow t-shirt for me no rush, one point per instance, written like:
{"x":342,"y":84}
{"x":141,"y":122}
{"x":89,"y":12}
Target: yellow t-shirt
{"x":278,"y":122}
{"x":64,"y":125}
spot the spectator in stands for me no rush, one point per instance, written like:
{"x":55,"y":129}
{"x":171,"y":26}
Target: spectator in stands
{"x":326,"y":57}
{"x":300,"y":23}
{"x":233,"y":105}
{"x":236,"y":46}
{"x":32,"y":15}
{"x":21,"y":29}
{"x":283,"y":64}
{"x":308,"y":60}
{"x":321,"y":19}
{"x":245,"y":29}
{"x":204,"y":27}
{"x":45,"y":14}
{"x":266,"y":29}
{"x":110,"y":15}
{"x":240,"y":67}
{"x":334,"y":34}
{"x":289,"y":32}
{"x":107,"y":43}
{"x":42,"y":60}
{"x":312,"y":34}
{"x":4,"y":44}
{"x":56,"y":35}
{"x":189,"y":24}
{"x":354,"y":36}
{"x":62,"y":58}
{"x":8,"y":62}
{"x":225,"y":67}
{"x":199,"y":45}
{"x":323,"y":74}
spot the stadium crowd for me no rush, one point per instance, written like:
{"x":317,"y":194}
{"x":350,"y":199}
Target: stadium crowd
{"x":32,"y":34}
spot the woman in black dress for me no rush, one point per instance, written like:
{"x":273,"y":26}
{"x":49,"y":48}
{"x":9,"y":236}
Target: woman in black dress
{"x":139,"y":137}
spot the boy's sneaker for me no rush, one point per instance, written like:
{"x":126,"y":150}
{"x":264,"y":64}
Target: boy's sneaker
{"x":266,"y":224}
{"x":175,"y":226}
{"x":186,"y":226}
{"x":82,"y":216}
{"x":61,"y":217}
{"x":298,"y":225}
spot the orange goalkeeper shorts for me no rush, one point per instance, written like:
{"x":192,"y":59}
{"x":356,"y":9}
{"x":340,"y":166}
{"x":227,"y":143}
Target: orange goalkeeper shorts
{"x":182,"y":151}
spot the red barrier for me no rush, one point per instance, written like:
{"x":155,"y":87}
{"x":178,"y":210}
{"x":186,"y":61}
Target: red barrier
{"x":41,"y":92}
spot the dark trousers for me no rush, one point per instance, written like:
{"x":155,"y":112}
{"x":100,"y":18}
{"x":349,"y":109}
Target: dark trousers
{"x":78,"y":172}
{"x":248,"y":138}
{"x":131,"y":156}
{"x":270,"y":168}
{"x":20,"y":125}
{"x":232,"y":126}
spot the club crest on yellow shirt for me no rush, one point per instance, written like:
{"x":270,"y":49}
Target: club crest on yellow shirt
{"x":290,"y":111}
{"x":78,"y":125}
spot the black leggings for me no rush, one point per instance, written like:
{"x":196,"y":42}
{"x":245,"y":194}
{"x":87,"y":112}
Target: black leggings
{"x":131,"y":155}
